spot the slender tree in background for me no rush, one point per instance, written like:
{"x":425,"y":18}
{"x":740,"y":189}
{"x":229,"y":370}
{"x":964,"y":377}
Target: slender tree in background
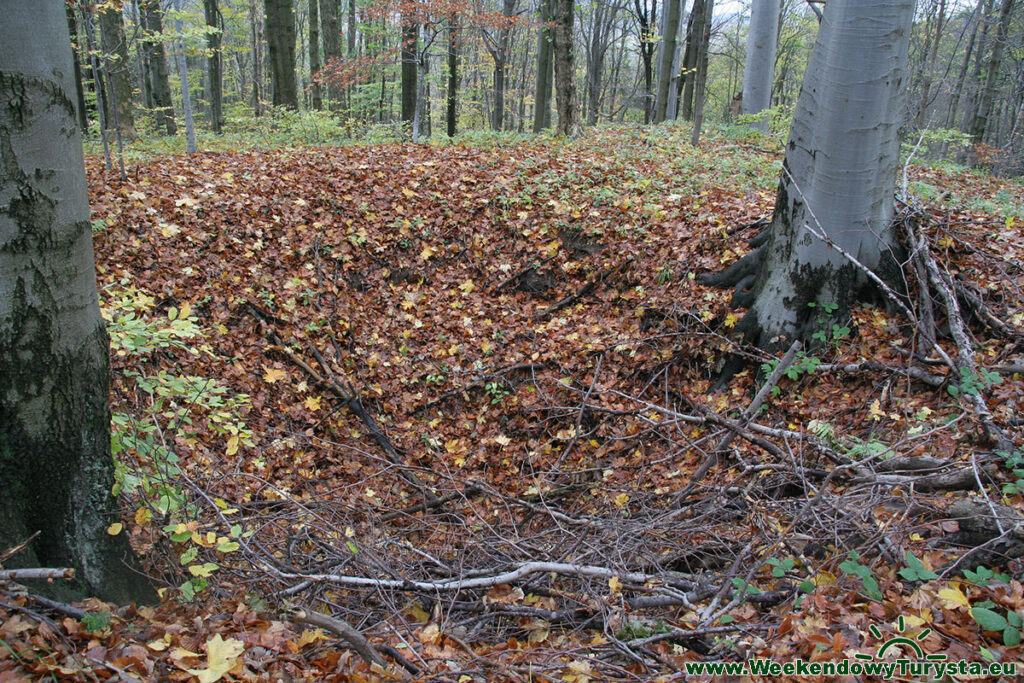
{"x":497,"y":45}
{"x":759,"y":69}
{"x":452,"y":96}
{"x":645,"y":19}
{"x":215,"y":63}
{"x":933,"y":29}
{"x":332,"y":45}
{"x":835,"y":197}
{"x":597,"y":44}
{"x":256,"y":38}
{"x":980,"y":121}
{"x":351,"y":33}
{"x":563,"y":12}
{"x":701,"y":77}
{"x":691,"y":58}
{"x":668,"y":55}
{"x":80,"y":109}
{"x":186,"y":99}
{"x":410,"y":54}
{"x":545,"y":69}
{"x":156,"y":64}
{"x":314,"y":53}
{"x":115,"y":61}
{"x":281,"y":49}
{"x":56,"y":471}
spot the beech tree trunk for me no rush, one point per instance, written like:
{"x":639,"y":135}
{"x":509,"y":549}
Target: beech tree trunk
{"x":256,"y":36}
{"x":691,"y":58}
{"x":980,"y":122}
{"x":56,"y":471}
{"x":646,"y":19}
{"x":314,"y":53}
{"x":332,"y":46}
{"x":453,"y":75}
{"x":410,"y":51}
{"x":215,"y":63}
{"x":545,"y":64}
{"x":281,"y":44}
{"x":563,"y":12}
{"x":668,"y":56}
{"x":115,"y":60}
{"x":838,"y":178}
{"x":759,"y":70}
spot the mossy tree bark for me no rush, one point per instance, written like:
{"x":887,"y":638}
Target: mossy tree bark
{"x":837,"y":179}
{"x":56,"y":472}
{"x":563,"y":13}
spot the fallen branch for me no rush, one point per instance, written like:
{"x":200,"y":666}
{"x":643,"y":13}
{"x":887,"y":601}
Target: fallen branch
{"x":583,"y":291}
{"x":342,"y":628}
{"x":36,"y":573}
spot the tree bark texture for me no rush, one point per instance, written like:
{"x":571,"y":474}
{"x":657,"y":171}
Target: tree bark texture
{"x":545,"y":64}
{"x":563,"y":13}
{"x":281,"y":46}
{"x":115,"y":62}
{"x":453,"y":75}
{"x":314,"y":53}
{"x":410,"y":51}
{"x":156,"y":65}
{"x":668,"y":55}
{"x":838,"y":175}
{"x":980,"y":122}
{"x":332,"y":45}
{"x":215,"y":63}
{"x":56,"y":471}
{"x":759,"y":70}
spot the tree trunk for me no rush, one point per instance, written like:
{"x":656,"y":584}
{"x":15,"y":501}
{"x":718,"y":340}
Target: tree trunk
{"x":186,"y":98}
{"x":314,"y":52}
{"x":80,"y":108}
{"x":565,"y":72}
{"x":332,"y":46}
{"x":954,"y":104}
{"x":351,"y":28}
{"x":932,"y":40}
{"x":410,"y":50}
{"x":700,"y":82}
{"x":500,"y":54}
{"x":115,"y":59}
{"x":215,"y":63}
{"x":759,"y":70}
{"x":979,"y":124}
{"x":281,"y":46}
{"x":668,"y":56}
{"x":837,"y":178}
{"x":691,"y":57}
{"x":256,"y":36}
{"x":545,"y":64}
{"x":453,"y":75}
{"x":56,"y":471}
{"x":645,"y":23}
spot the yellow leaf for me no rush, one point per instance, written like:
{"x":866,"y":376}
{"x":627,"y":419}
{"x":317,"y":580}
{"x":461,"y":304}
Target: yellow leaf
{"x":186,"y":310}
{"x":615,"y":585}
{"x":953,"y":597}
{"x":143,"y":516}
{"x":408,"y":193}
{"x":552,"y":247}
{"x":313,"y":403}
{"x":310,"y":636}
{"x":467,"y":286}
{"x":221,"y":657}
{"x":427,"y":252}
{"x":823,"y":578}
{"x":272,"y":375}
{"x":731,"y":320}
{"x":502,"y":440}
{"x":486,"y":346}
{"x":232,"y":445}
{"x":621,"y":500}
{"x":876,"y":410}
{"x":115,"y":528}
{"x":169,"y":230}
{"x":203,"y":570}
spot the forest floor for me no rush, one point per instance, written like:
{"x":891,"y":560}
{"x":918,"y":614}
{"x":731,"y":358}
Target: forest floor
{"x":441,"y":412}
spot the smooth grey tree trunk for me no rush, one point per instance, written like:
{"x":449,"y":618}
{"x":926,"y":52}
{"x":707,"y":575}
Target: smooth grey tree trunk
{"x":115,"y":60}
{"x":668,"y":56}
{"x":281,"y":48}
{"x":980,"y":122}
{"x":215,"y":63}
{"x":186,"y":99}
{"x":838,"y":177}
{"x":56,"y":471}
{"x":759,"y":70}
{"x":545,"y":69}
{"x":332,"y":47}
{"x":314,"y":53}
{"x":156,"y":63}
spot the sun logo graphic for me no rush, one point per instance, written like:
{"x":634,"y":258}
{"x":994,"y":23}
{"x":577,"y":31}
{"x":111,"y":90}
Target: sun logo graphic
{"x":900,"y":641}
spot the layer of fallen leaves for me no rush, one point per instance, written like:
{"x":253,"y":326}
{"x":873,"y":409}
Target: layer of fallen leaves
{"x":472,"y":298}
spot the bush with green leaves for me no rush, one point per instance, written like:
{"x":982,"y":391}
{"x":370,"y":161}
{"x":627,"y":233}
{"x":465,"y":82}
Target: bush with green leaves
{"x":171,"y":408}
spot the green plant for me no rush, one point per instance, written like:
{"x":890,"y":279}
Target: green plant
{"x":1015,"y":463}
{"x":853,"y":567}
{"x":96,"y":622}
{"x":983,"y":576}
{"x":990,"y":620}
{"x":916,"y":571}
{"x":496,"y":391}
{"x":780,"y":567}
{"x":973,"y":383}
{"x":187,"y":406}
